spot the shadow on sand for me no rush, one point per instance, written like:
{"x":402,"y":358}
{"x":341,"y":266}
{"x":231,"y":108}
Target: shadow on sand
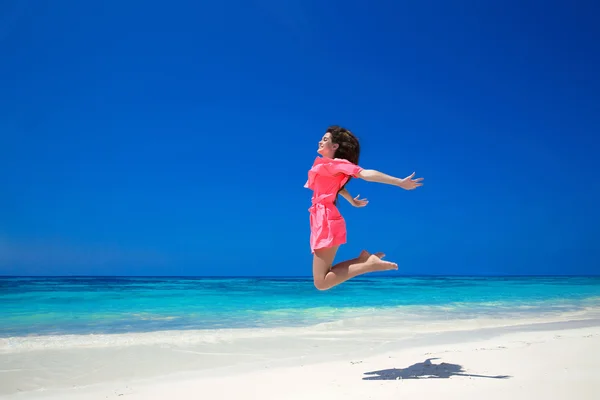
{"x":425,"y":370}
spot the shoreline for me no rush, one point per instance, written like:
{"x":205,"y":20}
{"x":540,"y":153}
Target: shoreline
{"x":480,"y":313}
{"x":56,"y":369}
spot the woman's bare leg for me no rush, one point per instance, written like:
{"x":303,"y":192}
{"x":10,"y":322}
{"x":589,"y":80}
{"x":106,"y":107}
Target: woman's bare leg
{"x":325,"y":276}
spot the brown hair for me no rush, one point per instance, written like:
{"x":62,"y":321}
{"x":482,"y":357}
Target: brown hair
{"x":348,"y":146}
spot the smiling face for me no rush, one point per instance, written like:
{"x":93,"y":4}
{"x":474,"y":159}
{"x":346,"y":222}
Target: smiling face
{"x":326,"y":146}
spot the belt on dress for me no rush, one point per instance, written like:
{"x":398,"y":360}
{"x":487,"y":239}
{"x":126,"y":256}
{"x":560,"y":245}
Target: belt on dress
{"x":318,"y":203}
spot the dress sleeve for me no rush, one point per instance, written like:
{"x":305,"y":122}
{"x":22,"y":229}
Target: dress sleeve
{"x":345,"y":167}
{"x":330,"y":167}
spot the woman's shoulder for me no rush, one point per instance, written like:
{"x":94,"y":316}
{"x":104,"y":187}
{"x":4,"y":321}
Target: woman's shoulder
{"x":330,"y":161}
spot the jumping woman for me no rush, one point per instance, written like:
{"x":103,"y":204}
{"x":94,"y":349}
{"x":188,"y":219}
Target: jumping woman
{"x":338,"y":163}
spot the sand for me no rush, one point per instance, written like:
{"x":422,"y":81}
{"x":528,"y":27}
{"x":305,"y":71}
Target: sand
{"x":524,"y":359}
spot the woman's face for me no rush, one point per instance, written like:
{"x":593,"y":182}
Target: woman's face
{"x":326,"y":146}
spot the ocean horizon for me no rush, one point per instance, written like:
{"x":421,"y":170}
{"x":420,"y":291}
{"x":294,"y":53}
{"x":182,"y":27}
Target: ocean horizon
{"x":384,"y":274}
{"x":83,"y":305}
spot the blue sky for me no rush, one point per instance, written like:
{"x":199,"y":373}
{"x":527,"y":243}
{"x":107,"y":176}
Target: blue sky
{"x":152,"y":138}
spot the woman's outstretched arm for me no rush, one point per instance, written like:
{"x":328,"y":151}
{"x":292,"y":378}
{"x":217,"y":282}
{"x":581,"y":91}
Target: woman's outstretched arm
{"x":407,"y":183}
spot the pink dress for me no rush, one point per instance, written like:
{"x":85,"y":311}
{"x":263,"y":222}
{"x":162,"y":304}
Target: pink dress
{"x":325,"y":178}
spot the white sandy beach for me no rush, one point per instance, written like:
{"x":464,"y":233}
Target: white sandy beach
{"x":546,"y":358}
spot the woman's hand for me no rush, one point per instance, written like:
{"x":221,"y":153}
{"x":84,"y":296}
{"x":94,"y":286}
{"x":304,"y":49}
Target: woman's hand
{"x":409,"y":184}
{"x":356,"y":202}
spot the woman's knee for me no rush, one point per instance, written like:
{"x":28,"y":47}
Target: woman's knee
{"x":320,"y":284}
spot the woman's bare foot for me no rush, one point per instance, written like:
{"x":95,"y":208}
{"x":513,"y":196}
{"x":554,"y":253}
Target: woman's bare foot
{"x":375,"y":262}
{"x":364,"y":255}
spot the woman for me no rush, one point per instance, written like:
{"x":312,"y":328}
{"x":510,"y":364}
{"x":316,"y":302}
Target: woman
{"x":340,"y":150}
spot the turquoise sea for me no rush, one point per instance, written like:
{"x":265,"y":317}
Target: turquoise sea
{"x":84,"y":305}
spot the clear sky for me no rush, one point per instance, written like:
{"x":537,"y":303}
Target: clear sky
{"x":174,"y":138}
